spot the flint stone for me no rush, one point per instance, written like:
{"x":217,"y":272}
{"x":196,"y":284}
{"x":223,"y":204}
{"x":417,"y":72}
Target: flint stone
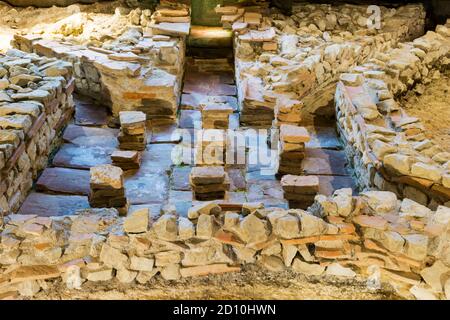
{"x":100,"y":275}
{"x":335,"y":269}
{"x":398,"y":163}
{"x":137,"y":222}
{"x":287,"y":227}
{"x":171,"y":272}
{"x":141,"y":264}
{"x":206,"y":226}
{"x":126,"y":276}
{"x":381,"y":201}
{"x":434,"y":275}
{"x":416,"y":246}
{"x":253,"y":230}
{"x":307,"y":268}
{"x":272,"y":263}
{"x":185,"y":229}
{"x":113,"y":258}
{"x":410,"y":208}
{"x":168,"y":257}
{"x":166,"y":227}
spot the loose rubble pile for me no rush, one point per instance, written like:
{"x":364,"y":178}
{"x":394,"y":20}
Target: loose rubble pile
{"x":386,"y":147}
{"x":292,"y":148}
{"x":372,"y":236}
{"x":133,"y":130}
{"x":35,"y":104}
{"x":107,"y":188}
{"x":209,"y":183}
{"x":300,"y":191}
{"x":315,"y":45}
{"x":128,"y":66}
{"x":171,"y":18}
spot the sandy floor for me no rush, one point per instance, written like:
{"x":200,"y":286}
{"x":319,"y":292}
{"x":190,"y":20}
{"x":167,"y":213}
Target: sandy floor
{"x":249,"y":284}
{"x":433,"y":109}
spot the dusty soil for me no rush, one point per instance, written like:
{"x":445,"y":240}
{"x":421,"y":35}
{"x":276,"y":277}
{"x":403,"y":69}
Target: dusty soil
{"x":17,"y":19}
{"x":252,"y":283}
{"x":433,"y":109}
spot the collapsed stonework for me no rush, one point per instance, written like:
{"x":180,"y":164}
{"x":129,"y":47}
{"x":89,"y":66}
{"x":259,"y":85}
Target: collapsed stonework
{"x":35,"y":104}
{"x":137,"y":67}
{"x":373,"y":235}
{"x":388,"y":148}
{"x":300,"y":57}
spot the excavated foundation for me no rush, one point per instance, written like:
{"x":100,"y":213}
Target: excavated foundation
{"x":339,"y":178}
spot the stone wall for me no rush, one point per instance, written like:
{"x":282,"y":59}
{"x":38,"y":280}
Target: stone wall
{"x":386,"y":147}
{"x":134,"y":69}
{"x":35,"y":103}
{"x":372,"y":236}
{"x":312,"y":47}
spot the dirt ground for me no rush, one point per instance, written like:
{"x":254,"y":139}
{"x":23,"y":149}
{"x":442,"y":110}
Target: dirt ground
{"x":16,"y":19}
{"x":253,"y":283}
{"x":433,"y":109}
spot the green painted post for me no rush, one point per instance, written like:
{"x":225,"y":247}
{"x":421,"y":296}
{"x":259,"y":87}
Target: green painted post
{"x":203,"y":14}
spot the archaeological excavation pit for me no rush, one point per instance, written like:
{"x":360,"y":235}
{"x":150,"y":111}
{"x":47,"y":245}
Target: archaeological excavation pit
{"x":285,"y":155}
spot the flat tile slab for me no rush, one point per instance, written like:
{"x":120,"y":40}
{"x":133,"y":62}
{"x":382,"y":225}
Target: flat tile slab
{"x":190,"y":119}
{"x":329,"y":184}
{"x":158,"y":155}
{"x":190,"y":101}
{"x":274,"y":202}
{"x":265,"y":188}
{"x":180,"y":179}
{"x":89,"y":114}
{"x":64,"y":181}
{"x":207,"y":84}
{"x":324,"y":162}
{"x":47,"y":205}
{"x":237,"y":178}
{"x":89,"y":136}
{"x":165,"y":134}
{"x":146,"y":186}
{"x":235,"y":197}
{"x":82,"y":157}
{"x":323,"y":137}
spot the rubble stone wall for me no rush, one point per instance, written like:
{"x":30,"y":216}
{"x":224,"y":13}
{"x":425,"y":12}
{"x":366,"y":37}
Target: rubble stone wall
{"x":35,"y":103}
{"x":149,"y":81}
{"x":373,"y":235}
{"x":312,"y":47}
{"x":386,"y":147}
